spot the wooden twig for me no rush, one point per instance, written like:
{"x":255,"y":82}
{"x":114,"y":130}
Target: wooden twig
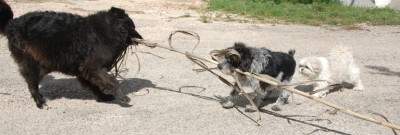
{"x":272,"y":81}
{"x":384,"y":117}
{"x":248,"y":97}
{"x":194,"y":34}
{"x":152,"y":54}
{"x":202,"y":69}
{"x":4,"y":93}
{"x":275,"y":82}
{"x":238,"y":87}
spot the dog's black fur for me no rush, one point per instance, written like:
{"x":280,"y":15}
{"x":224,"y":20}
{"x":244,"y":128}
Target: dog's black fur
{"x":85,"y":47}
{"x":260,"y":61}
{"x":277,"y":61}
{"x":5,"y":15}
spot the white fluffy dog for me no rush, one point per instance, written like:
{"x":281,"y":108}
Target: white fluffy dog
{"x":336,"y":68}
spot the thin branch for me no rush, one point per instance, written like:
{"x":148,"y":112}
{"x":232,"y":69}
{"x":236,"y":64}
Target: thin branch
{"x":272,"y":81}
{"x":248,"y":97}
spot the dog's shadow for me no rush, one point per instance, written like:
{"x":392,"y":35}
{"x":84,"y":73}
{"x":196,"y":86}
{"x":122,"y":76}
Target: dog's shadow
{"x":241,"y":100}
{"x":70,"y":88}
{"x":383,"y":71}
{"x":334,"y":88}
{"x":292,"y":118}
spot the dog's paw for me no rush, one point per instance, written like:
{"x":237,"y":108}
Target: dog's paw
{"x":125,"y":99}
{"x":105,"y":98}
{"x":250,"y":109}
{"x":276,"y":108}
{"x":358,"y":88}
{"x":228,"y":104}
{"x":320,"y":95}
{"x":41,"y":103}
{"x":43,"y":106}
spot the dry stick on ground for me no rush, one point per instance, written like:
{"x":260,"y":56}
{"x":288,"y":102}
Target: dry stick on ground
{"x":4,"y":93}
{"x":383,"y":116}
{"x":196,"y":59}
{"x":273,"y":81}
{"x":247,"y":96}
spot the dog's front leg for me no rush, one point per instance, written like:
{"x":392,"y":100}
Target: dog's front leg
{"x":358,"y":85}
{"x":259,"y":95}
{"x":229,"y":103}
{"x":102,"y":79}
{"x":258,"y":99}
{"x":318,"y":89}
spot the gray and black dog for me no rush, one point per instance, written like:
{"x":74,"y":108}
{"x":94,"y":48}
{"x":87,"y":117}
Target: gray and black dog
{"x":259,"y":61}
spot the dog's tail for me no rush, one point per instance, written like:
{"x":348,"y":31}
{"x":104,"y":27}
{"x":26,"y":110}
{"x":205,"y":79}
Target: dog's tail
{"x":6,"y":14}
{"x":340,"y":51}
{"x":291,"y":52}
{"x":343,"y":52}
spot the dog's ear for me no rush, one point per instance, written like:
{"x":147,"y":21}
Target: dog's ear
{"x":116,"y":11}
{"x":125,"y":20}
{"x":239,"y":46}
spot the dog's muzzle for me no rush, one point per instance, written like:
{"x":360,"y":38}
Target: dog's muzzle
{"x":219,"y":66}
{"x":135,"y":34}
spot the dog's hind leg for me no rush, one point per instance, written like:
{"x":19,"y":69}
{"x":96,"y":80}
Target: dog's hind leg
{"x":319,"y":89}
{"x":33,"y":74}
{"x":282,"y":99}
{"x":95,"y":90}
{"x":354,"y":75}
{"x":102,"y":79}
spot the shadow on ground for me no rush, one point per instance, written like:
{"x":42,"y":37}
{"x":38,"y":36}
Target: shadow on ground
{"x":291,"y":118}
{"x":70,"y":88}
{"x":241,"y":101}
{"x":383,"y":71}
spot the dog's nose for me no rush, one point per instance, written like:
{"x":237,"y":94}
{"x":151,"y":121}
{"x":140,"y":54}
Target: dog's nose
{"x":219,"y":66}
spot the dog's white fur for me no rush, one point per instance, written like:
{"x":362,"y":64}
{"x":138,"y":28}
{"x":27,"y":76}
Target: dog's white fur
{"x":337,"y":67}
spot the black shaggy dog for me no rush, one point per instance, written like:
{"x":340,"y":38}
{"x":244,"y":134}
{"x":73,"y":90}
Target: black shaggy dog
{"x":85,"y":47}
{"x":279,"y":65}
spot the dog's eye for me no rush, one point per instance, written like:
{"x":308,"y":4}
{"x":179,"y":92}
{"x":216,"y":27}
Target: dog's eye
{"x":303,"y":66}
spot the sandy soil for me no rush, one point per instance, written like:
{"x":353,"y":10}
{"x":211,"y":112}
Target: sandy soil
{"x":159,"y":106}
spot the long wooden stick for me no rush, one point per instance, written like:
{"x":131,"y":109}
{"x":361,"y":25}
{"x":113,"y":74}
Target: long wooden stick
{"x":273,"y":81}
{"x":248,"y":97}
{"x":237,"y":87}
{"x":342,"y":109}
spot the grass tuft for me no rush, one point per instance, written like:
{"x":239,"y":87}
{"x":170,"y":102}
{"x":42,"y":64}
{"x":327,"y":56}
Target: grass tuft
{"x":317,"y":12}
